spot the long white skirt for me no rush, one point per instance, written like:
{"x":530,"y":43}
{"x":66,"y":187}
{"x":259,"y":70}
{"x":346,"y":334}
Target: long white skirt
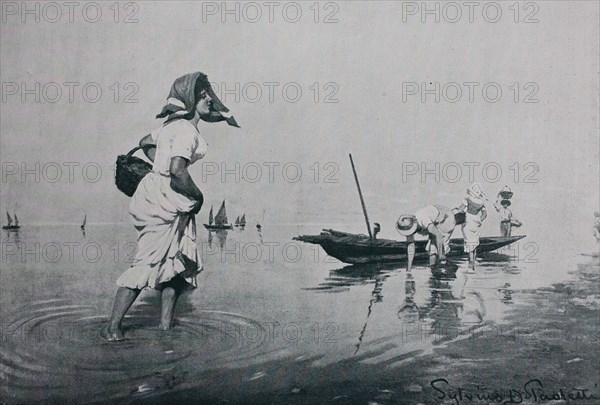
{"x":166,"y":236}
{"x":471,"y":230}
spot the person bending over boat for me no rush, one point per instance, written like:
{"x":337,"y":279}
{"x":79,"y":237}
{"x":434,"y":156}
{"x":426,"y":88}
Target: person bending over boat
{"x":164,"y":205}
{"x":475,"y":214}
{"x":435,"y":221}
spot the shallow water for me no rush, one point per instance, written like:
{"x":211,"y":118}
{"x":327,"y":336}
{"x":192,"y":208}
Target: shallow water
{"x":267,"y":312}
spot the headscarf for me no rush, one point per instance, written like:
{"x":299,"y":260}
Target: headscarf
{"x":185,"y":94}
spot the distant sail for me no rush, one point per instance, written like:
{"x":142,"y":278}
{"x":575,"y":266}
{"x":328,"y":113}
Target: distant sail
{"x":210,"y":216}
{"x":221,"y":218}
{"x":9,"y":218}
{"x":16,"y":219}
{"x":237,"y":221}
{"x":84,"y":221}
{"x":243,"y":220}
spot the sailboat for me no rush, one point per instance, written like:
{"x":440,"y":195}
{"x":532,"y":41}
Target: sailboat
{"x":243,"y":221}
{"x":237,"y":221}
{"x":83,"y":223}
{"x":11,"y":226}
{"x":220,"y":220}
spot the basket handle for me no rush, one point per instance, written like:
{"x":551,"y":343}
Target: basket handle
{"x":132,"y":151}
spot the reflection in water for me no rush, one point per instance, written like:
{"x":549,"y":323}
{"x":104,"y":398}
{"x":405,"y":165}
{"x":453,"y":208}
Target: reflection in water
{"x":506,"y":292}
{"x":409,"y":311}
{"x":442,"y":304}
{"x":375,"y":297}
{"x":342,"y":279}
{"x":13,"y":236}
{"x":221,"y":237}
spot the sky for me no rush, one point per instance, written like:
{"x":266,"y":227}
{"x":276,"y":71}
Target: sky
{"x":309,"y":84}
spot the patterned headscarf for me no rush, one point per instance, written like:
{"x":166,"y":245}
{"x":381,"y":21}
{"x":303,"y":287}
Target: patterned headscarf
{"x":185,"y":94}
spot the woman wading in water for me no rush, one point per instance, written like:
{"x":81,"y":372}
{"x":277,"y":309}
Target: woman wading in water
{"x":166,"y":201}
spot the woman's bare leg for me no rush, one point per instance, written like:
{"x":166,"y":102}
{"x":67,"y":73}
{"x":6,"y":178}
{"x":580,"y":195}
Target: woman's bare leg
{"x":472,"y":260}
{"x":123,"y":300}
{"x":170,"y":295}
{"x":169,"y":299}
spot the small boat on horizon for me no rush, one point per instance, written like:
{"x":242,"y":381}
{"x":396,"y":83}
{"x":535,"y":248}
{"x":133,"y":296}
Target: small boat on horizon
{"x":12,"y":226}
{"x":83,"y":223}
{"x":219,"y":221}
{"x":240,"y":222}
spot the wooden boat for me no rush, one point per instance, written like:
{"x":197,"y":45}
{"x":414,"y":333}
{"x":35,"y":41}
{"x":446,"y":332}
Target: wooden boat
{"x":11,"y":226}
{"x":359,"y":249}
{"x":362,"y":249}
{"x":220,"y":220}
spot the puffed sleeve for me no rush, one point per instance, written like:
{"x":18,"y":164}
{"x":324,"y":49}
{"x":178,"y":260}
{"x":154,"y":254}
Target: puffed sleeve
{"x":154,"y":134}
{"x":185,"y":143}
{"x":202,"y":147}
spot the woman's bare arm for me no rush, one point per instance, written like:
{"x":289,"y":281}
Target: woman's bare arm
{"x":410,"y":250}
{"x":182,"y":183}
{"x":149,"y":152}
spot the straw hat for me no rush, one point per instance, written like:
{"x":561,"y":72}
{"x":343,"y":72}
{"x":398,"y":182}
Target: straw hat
{"x":506,"y":193}
{"x":406,"y":225}
{"x":475,"y":191}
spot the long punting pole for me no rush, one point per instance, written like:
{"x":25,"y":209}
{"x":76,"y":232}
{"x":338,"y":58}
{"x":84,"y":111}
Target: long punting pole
{"x":362,"y":201}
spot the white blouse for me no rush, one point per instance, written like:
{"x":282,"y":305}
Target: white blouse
{"x":179,"y":138}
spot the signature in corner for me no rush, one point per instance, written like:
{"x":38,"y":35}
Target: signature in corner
{"x":531,"y":390}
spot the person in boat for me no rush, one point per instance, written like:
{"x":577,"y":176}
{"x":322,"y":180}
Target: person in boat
{"x":505,"y":216}
{"x":376,"y":229}
{"x":435,"y":221}
{"x":164,"y":205}
{"x":475,"y":213}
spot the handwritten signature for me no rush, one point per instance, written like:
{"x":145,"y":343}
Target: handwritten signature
{"x":532,"y":390}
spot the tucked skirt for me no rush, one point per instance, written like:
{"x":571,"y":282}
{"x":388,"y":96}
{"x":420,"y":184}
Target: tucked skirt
{"x":471,"y":230}
{"x":166,"y":236}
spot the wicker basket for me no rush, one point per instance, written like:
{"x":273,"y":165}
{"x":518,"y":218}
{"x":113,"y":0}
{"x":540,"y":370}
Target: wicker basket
{"x":130,"y":170}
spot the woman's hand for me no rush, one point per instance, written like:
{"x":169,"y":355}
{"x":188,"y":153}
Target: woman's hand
{"x":182,"y":183}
